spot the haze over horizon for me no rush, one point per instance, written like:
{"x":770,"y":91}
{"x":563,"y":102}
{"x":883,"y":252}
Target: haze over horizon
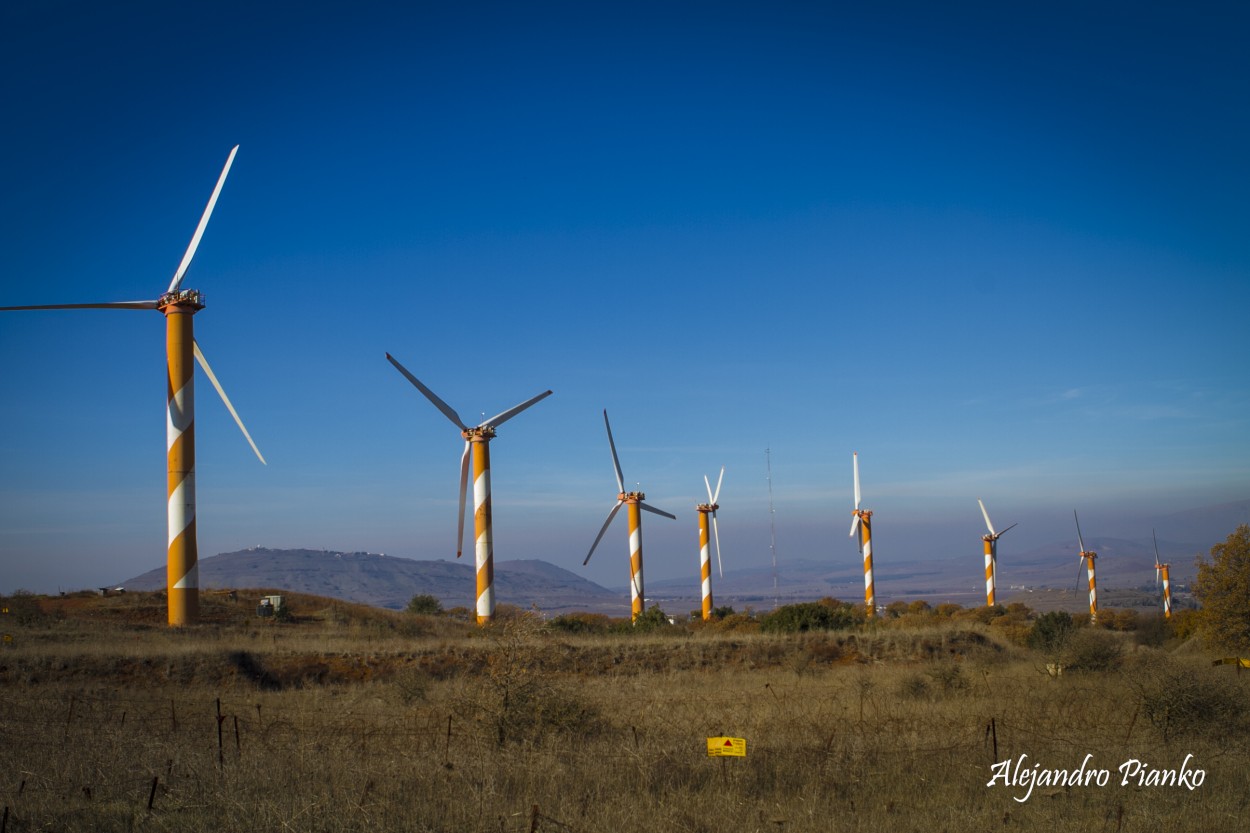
{"x":999,"y":251}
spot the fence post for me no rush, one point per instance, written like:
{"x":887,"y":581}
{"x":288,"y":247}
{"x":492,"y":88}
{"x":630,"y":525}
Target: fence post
{"x":221,"y":761}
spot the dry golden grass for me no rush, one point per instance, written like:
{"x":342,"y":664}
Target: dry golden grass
{"x":364,"y":720}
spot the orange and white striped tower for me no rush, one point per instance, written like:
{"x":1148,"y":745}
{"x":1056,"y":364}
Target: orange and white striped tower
{"x":483,"y":546}
{"x":863,"y":521}
{"x":1088,"y":556}
{"x":636,"y":502}
{"x":1093,"y":586}
{"x":705,"y":558}
{"x":637,"y":595}
{"x":705,"y":553}
{"x":991,"y":556}
{"x":1161,"y":575}
{"x":182,"y":567}
{"x":477,"y":447}
{"x":181,"y":351}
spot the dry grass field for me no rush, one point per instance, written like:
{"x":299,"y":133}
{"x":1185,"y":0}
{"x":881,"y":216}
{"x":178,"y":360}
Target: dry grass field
{"x":350,"y":718}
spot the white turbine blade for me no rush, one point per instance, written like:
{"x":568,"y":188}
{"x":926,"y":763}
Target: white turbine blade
{"x":1008,"y":529}
{"x":716,"y":535}
{"x":616,"y":463}
{"x":107,"y":305}
{"x":719,"y":480}
{"x":988,"y":525}
{"x":496,"y":421}
{"x":1078,"y":532}
{"x":212,"y":377}
{"x":854,"y":525}
{"x":710,"y":499}
{"x":464,"y":488}
{"x":606,"y":524}
{"x":199,"y":230}
{"x":655,"y":511}
{"x":429,"y":394}
{"x":855,"y":459}
{"x":1156,"y":543}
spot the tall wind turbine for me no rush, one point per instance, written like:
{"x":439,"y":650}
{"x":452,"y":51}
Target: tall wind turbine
{"x":991,"y":556}
{"x":478,"y":439}
{"x":863,"y":521}
{"x":1087,"y":557}
{"x":1161,"y":575}
{"x":633,"y":500}
{"x":705,"y":555}
{"x":178,"y":305}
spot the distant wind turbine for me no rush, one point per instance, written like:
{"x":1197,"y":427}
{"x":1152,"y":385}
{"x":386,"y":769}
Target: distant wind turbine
{"x":991,"y":556}
{"x":1087,"y":559}
{"x":633,"y":500}
{"x":1161,"y":577}
{"x":705,"y":555}
{"x":863,"y":522}
{"x":478,"y":439}
{"x":178,"y":306}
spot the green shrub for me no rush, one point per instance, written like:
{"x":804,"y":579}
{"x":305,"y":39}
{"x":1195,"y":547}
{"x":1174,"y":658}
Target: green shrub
{"x":425,"y":604}
{"x":808,"y":616}
{"x":1051,"y":632}
{"x":652,"y":618}
{"x":580,"y":623}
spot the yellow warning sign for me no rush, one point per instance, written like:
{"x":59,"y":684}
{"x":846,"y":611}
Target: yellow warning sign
{"x":721,"y":747}
{"x":1240,"y":661}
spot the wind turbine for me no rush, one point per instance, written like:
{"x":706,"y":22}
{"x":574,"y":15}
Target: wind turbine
{"x":991,"y":556}
{"x":1087,"y":557}
{"x":705,"y":555}
{"x":1161,"y":576}
{"x":863,"y":521}
{"x":633,"y":500}
{"x":178,"y":306}
{"x":478,"y":439}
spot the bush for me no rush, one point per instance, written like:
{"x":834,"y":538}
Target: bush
{"x":913,"y":687}
{"x":808,"y":616}
{"x":425,"y":604}
{"x":1051,"y":632}
{"x":516,"y":701}
{"x":1094,"y":650}
{"x":652,"y":618}
{"x":947,"y":676}
{"x":1180,"y":701}
{"x":580,"y":623}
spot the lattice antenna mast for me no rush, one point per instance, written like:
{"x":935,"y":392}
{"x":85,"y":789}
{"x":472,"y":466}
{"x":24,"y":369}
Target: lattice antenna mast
{"x":772,"y":525}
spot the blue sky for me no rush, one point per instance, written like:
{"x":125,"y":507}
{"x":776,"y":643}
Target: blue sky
{"x":999,"y":250}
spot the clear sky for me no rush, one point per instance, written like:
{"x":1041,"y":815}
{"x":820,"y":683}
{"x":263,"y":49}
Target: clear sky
{"x":1000,"y":250}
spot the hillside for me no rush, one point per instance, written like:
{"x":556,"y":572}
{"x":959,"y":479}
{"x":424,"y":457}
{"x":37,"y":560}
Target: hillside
{"x":387,"y":581}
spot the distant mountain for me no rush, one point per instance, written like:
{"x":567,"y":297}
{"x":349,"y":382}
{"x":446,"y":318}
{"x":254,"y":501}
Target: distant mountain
{"x":387,"y":581}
